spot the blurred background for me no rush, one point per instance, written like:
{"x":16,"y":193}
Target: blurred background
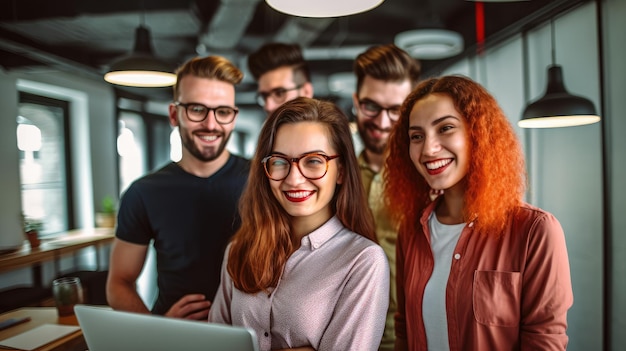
{"x":69,"y":140}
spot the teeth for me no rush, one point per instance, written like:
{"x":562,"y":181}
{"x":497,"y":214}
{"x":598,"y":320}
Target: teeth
{"x":438,"y":164}
{"x":299,"y":194}
{"x":209,"y":137}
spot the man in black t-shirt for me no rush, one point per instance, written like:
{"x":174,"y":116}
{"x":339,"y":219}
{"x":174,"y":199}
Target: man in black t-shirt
{"x":188,"y":208}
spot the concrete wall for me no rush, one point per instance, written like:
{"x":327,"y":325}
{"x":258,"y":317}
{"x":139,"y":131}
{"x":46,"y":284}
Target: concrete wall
{"x":614,"y":13}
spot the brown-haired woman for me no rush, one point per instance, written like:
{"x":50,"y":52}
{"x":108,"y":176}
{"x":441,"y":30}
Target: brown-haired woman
{"x":478,"y":269}
{"x":304,"y":270}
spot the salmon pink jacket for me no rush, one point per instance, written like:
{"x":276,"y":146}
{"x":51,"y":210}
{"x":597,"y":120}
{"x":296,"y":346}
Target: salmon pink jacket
{"x":510,"y":292}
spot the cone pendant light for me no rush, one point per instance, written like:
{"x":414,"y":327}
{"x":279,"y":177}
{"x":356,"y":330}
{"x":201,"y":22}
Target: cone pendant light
{"x":141,"y":68}
{"x":558,"y":108}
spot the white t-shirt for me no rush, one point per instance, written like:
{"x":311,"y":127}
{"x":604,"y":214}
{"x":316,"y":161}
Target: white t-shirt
{"x":443,"y":240}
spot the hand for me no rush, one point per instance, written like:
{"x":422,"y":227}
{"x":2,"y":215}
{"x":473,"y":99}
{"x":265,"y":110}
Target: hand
{"x":191,"y":306}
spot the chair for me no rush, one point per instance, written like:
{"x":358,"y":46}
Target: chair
{"x":23,"y":296}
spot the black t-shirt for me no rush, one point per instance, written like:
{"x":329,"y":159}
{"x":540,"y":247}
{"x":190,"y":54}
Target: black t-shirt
{"x":190,"y":219}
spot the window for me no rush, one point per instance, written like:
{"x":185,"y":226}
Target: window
{"x":42,"y":126}
{"x":131,"y":148}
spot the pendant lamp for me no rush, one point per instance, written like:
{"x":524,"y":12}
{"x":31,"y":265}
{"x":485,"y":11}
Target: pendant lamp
{"x":558,"y":108}
{"x":141,"y":68}
{"x":323,"y":8}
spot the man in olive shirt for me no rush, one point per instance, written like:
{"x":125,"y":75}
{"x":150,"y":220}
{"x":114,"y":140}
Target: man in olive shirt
{"x":385,"y":76}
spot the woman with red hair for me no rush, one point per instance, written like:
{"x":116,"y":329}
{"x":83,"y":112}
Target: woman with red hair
{"x":477,"y":267}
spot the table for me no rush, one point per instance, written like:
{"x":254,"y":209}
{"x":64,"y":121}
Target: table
{"x":54,"y":249}
{"x":44,"y":315}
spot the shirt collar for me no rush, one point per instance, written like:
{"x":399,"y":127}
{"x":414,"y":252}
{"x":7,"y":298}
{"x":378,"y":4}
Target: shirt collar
{"x":321,"y":235}
{"x":363,"y":162}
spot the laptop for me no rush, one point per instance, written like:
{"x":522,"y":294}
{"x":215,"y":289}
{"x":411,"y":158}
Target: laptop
{"x":105,"y":329}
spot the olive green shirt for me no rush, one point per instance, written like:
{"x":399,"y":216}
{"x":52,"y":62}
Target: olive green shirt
{"x":387,"y":234}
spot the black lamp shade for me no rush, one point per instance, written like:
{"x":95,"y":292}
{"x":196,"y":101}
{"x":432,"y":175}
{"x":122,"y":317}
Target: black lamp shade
{"x":139,"y":62}
{"x":558,"y":108}
{"x":140,"y":68}
{"x":142,"y":41}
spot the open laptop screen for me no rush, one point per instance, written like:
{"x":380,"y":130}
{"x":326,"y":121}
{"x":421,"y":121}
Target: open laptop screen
{"x":105,"y":329}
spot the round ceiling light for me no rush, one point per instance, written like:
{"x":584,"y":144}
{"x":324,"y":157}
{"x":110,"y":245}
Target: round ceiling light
{"x":430,"y":44}
{"x":323,"y":8}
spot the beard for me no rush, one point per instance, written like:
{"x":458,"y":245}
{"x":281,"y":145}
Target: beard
{"x":206,"y":154}
{"x":371,"y":144}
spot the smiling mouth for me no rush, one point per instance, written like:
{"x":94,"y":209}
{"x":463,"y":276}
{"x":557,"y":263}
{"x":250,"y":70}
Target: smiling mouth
{"x":432,"y":166}
{"x":298,"y":196}
{"x":377,"y":132}
{"x":208,"y":137}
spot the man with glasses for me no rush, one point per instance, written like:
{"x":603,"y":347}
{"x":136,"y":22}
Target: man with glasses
{"x":188,"y":209}
{"x":385,"y":75}
{"x":282,"y":74}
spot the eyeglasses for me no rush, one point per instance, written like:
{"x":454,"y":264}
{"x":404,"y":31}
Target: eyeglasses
{"x":372,"y":109}
{"x":312,"y":166}
{"x":278,"y":95}
{"x":198,"y":112}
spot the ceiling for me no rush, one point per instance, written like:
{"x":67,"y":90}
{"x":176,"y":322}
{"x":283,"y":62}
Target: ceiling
{"x":85,"y":36}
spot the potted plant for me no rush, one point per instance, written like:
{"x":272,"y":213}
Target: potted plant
{"x":105,"y":218}
{"x":32,"y":228}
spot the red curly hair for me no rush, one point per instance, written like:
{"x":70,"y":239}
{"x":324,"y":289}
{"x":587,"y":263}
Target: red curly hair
{"x":496,"y":178}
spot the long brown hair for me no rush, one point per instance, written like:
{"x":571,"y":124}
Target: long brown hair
{"x":496,"y":179}
{"x":263,"y":244}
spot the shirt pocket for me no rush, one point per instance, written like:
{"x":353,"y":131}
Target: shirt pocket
{"x":496,"y":298}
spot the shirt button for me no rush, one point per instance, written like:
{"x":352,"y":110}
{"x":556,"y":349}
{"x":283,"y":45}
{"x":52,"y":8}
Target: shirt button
{"x":471,"y":224}
{"x":457,"y":256}
{"x":266,"y":334}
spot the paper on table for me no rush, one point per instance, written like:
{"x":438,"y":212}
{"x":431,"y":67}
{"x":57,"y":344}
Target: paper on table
{"x":37,"y":337}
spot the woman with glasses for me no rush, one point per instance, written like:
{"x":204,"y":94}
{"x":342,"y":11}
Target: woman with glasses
{"x":304,"y":271}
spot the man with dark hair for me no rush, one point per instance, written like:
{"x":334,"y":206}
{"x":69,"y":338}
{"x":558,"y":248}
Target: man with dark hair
{"x":282,"y":74}
{"x":385,"y":76}
{"x":188,"y":208}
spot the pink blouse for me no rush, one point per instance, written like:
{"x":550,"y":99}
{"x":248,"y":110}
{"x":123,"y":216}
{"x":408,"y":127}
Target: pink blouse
{"x":333,"y":295}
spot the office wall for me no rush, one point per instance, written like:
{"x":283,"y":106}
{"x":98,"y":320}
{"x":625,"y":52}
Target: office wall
{"x":10,"y":207}
{"x":93,"y":134}
{"x":614,"y":13}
